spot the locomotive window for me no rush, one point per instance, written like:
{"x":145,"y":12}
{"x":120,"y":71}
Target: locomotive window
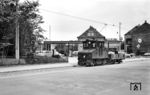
{"x":101,"y":44}
{"x":93,"y":44}
{"x":85,"y":45}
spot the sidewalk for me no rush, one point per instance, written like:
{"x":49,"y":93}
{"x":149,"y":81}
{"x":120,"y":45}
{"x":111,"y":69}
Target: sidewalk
{"x":136,"y":59}
{"x":72,"y":62}
{"x":34,"y":67}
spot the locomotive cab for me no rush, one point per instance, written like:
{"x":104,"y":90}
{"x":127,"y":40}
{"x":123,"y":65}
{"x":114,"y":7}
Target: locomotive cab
{"x":93,"y":53}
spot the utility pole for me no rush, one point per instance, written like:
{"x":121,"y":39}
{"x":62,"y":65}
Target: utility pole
{"x":120,"y":39}
{"x":120,"y":31}
{"x":50,"y":32}
{"x":17,"y":33}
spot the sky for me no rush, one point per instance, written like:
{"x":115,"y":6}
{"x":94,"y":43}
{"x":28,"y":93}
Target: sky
{"x":61,"y":27}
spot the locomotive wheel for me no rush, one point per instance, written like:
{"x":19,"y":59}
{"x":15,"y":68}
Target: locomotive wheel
{"x":119,"y":61}
{"x":104,"y":61}
{"x":112,"y":61}
{"x":89,"y":63}
{"x":94,"y":62}
{"x":107,"y":61}
{"x":99,"y":61}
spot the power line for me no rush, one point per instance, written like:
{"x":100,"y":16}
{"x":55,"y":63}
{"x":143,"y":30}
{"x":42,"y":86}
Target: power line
{"x":103,"y":28}
{"x":81,"y":18}
{"x":85,"y":19}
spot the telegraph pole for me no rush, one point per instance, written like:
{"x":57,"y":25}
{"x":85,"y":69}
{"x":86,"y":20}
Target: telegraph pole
{"x":50,"y":32}
{"x":120,"y":31}
{"x":120,"y":39}
{"x":17,"y":33}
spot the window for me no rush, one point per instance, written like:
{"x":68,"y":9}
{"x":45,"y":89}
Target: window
{"x":48,"y":47}
{"x":93,"y":44}
{"x":90,"y":33}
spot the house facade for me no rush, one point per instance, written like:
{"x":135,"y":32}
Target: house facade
{"x":91,"y":33}
{"x":137,"y":40}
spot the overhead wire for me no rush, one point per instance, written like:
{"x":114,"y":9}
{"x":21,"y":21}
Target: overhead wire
{"x":77,"y":17}
{"x":85,"y":19}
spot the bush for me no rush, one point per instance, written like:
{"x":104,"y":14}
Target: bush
{"x":11,"y":61}
{"x":56,"y":56}
{"x":45,"y":59}
{"x":32,"y":60}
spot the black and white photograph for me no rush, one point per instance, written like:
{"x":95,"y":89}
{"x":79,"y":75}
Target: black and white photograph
{"x":74,"y":47}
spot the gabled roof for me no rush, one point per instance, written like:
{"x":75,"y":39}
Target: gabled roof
{"x":96,"y":33}
{"x":132,"y":30}
{"x":144,"y":28}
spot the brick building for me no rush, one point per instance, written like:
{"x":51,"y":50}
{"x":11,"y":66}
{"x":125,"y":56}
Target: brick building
{"x":137,"y":40}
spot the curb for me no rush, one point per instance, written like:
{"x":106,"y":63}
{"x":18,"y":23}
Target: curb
{"x":135,"y":59}
{"x":33,"y":67}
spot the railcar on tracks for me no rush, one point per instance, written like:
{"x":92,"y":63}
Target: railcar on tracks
{"x":95,"y":53}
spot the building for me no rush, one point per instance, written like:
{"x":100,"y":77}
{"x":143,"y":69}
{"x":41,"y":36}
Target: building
{"x":114,"y":44}
{"x":90,"y":33}
{"x":50,"y":45}
{"x":64,"y":47}
{"x":137,"y":40}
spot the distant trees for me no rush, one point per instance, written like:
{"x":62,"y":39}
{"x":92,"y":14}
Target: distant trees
{"x":29,"y":21}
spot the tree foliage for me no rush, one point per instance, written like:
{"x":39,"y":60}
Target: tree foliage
{"x":29,"y":21}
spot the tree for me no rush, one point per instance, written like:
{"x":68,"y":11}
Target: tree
{"x":29,"y":21}
{"x":7,"y":26}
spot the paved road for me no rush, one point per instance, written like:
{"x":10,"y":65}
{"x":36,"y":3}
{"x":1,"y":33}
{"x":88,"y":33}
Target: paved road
{"x":99,"y":80}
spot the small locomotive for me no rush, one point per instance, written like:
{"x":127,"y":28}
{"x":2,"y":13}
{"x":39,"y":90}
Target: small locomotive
{"x":95,"y":53}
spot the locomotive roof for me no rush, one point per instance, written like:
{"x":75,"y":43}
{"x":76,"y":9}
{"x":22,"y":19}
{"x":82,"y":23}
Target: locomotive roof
{"x":87,"y":51}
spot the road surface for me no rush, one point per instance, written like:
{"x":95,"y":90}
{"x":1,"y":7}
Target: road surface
{"x":99,"y":80}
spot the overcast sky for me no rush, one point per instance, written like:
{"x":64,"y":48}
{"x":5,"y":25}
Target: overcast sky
{"x":129,"y":12}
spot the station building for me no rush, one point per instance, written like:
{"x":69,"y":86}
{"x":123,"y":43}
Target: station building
{"x":137,"y":40}
{"x":90,"y":33}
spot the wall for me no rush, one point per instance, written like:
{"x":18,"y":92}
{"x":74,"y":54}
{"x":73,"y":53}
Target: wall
{"x":144,"y":45}
{"x":80,"y":47}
